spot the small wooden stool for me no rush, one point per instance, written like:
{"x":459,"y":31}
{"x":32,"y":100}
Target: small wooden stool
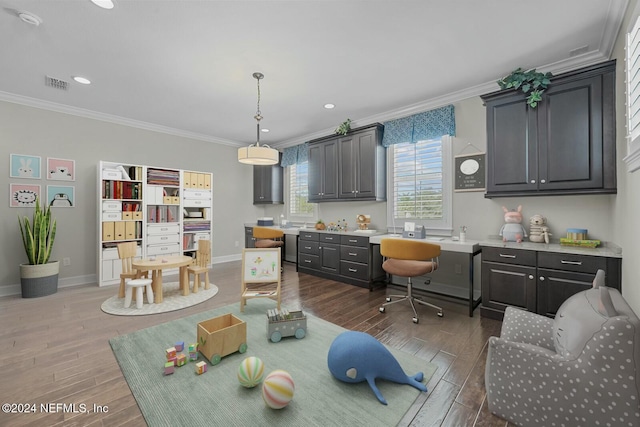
{"x":139,"y":284}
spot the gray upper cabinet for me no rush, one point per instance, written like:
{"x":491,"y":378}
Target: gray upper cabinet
{"x":564,"y":146}
{"x":349,"y":167}
{"x":267,"y":185}
{"x":323,"y":171}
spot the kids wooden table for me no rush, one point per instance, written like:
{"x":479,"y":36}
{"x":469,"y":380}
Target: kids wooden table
{"x":161,"y":263}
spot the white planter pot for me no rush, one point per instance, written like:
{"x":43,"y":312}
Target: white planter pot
{"x":39,"y":280}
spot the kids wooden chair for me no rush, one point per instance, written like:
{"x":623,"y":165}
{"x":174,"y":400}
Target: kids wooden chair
{"x":201,"y":266}
{"x":409,"y":258}
{"x":127,"y":253}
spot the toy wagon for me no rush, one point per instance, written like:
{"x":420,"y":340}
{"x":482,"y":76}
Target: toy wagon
{"x":221,"y":336}
{"x":282,"y":323}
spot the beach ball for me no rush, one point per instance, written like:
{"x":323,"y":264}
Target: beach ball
{"x":250,"y":372}
{"x":277,"y":389}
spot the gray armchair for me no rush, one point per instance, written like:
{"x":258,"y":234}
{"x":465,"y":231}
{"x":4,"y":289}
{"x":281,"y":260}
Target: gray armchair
{"x":581,"y":368}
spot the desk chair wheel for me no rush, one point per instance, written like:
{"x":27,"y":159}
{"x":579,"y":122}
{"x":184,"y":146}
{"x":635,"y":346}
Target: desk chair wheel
{"x":381,"y":309}
{"x":415,"y":320}
{"x":440,"y":314}
{"x":388,"y":299}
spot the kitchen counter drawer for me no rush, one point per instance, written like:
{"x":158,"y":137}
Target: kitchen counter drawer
{"x":309,"y":261}
{"x":354,"y":241}
{"x":329,"y":238}
{"x":308,"y":247}
{"x":309,"y":235}
{"x":571,"y":262}
{"x":354,"y":270}
{"x":509,"y":256}
{"x":354,"y":254}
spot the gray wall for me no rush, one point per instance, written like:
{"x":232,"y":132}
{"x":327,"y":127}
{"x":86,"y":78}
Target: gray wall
{"x":27,"y":130}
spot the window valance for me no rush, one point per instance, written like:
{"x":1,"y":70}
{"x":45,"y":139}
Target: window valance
{"x":294,"y":155}
{"x":427,"y":125}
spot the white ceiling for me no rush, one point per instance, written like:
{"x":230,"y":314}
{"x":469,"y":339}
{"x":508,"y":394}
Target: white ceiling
{"x":185,"y":66}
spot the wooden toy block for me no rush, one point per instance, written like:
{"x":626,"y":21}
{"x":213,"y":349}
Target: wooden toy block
{"x":173,"y":360}
{"x":201,"y":368}
{"x":168,"y":368}
{"x":221,"y":336}
{"x":179,"y":346}
{"x":193,"y":348}
{"x":193,"y":356}
{"x":171,"y":352}
{"x":181,"y":359}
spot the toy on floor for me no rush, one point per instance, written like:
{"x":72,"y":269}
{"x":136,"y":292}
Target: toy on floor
{"x":277,"y":389}
{"x":283,"y":323}
{"x":355,"y":357}
{"x":250,"y":372}
{"x":169,"y":367}
{"x":512,"y":230}
{"x":201,"y":368}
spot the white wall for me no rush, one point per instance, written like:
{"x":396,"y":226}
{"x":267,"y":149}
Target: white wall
{"x":27,"y":130}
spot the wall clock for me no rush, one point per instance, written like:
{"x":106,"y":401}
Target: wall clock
{"x":470,"y":172}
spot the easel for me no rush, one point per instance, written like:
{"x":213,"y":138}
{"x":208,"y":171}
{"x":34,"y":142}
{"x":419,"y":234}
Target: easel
{"x":260,"y":275}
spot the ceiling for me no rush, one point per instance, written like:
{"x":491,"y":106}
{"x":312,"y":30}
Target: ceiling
{"x":185,"y":67}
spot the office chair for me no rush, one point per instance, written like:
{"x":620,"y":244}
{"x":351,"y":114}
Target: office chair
{"x":409,"y":258}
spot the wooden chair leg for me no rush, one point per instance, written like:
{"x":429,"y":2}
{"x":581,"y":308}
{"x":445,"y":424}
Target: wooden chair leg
{"x":206,"y":280}
{"x":121,"y":290}
{"x":196,"y":282}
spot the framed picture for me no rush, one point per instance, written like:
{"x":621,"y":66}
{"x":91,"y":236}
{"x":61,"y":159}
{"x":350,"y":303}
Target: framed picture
{"x":61,"y":196}
{"x":23,"y":195}
{"x":61,"y":169}
{"x":261,"y":265}
{"x":470,"y":172}
{"x":24,"y":166}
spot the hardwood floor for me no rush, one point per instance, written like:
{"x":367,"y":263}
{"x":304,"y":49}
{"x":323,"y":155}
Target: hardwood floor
{"x":55,"y":349}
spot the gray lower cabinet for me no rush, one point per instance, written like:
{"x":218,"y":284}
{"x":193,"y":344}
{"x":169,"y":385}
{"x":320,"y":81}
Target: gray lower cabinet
{"x":345,"y":258}
{"x":538,"y":281}
{"x":249,"y":241}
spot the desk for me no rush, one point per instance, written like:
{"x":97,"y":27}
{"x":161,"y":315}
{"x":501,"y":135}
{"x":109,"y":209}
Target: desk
{"x":470,"y":247}
{"x":157,"y":265}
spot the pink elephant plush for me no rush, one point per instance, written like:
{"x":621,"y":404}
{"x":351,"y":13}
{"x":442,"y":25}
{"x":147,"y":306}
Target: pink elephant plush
{"x":512,"y":230}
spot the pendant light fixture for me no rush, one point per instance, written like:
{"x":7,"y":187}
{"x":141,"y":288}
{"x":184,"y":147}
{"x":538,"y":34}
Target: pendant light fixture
{"x":257,"y":154}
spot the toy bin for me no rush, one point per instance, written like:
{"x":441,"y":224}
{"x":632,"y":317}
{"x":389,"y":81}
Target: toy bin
{"x":221,"y":336}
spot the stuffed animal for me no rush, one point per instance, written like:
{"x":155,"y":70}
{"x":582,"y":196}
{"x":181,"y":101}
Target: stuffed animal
{"x":512,"y":230}
{"x":536,"y":224}
{"x":357,"y":356}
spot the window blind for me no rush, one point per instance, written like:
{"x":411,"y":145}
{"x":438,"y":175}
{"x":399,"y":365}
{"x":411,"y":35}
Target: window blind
{"x":299,"y":189}
{"x":633,"y":82}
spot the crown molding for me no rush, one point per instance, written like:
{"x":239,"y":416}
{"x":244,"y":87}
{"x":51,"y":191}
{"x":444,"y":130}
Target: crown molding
{"x":110,"y":118}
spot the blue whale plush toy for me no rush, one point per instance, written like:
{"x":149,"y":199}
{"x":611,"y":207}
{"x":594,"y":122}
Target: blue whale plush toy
{"x":355,"y":357}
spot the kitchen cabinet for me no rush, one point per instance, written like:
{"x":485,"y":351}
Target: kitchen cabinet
{"x":267,"y":184}
{"x":349,"y":167}
{"x":345,"y":258}
{"x":539,"y":281}
{"x":566,"y":145}
{"x":362,"y":162}
{"x":323,"y":170}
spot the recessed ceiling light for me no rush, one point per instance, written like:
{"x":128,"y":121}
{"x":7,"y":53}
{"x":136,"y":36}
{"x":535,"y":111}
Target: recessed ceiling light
{"x":82,"y":80}
{"x":264,"y":130}
{"x":105,"y":4}
{"x":329,"y":106}
{"x":29,"y":17}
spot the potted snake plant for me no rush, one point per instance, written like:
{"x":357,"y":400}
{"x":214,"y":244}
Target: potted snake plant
{"x":40,"y":276}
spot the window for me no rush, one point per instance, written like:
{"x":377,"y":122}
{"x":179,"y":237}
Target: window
{"x":420,"y":185}
{"x":632,"y":56}
{"x":299,"y":205}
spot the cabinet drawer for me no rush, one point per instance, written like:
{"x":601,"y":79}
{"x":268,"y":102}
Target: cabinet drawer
{"x":163,"y":229}
{"x":355,"y":270}
{"x":354,"y":254}
{"x":111,"y":216}
{"x":571,"y":262}
{"x":309,"y":235}
{"x":197,"y":194}
{"x":309,"y":261}
{"x":329,"y":238}
{"x":196,"y":203}
{"x":163,"y":249}
{"x":111,"y":206}
{"x":509,"y":256}
{"x":163,"y":239}
{"x":354,"y":241}
{"x":308,"y":247}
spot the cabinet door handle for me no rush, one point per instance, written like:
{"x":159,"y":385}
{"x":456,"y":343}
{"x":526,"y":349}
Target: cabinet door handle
{"x":353,"y":241}
{"x":353,"y":270}
{"x":328,"y":238}
{"x":507,"y":256}
{"x":542,"y":181}
{"x":308,"y":261}
{"x":562,"y":261}
{"x":307,"y":247}
{"x":542,"y":278}
{"x":533,"y":181}
{"x":531,"y":276}
{"x":352,"y":254}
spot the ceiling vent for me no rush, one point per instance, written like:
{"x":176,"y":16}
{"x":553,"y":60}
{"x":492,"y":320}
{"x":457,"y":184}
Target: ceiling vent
{"x":56,"y":83}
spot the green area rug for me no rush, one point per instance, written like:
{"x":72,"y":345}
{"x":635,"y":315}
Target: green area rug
{"x":217,"y":399}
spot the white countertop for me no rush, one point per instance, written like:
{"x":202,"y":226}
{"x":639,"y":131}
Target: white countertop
{"x":446,"y":243}
{"x":605,"y":250}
